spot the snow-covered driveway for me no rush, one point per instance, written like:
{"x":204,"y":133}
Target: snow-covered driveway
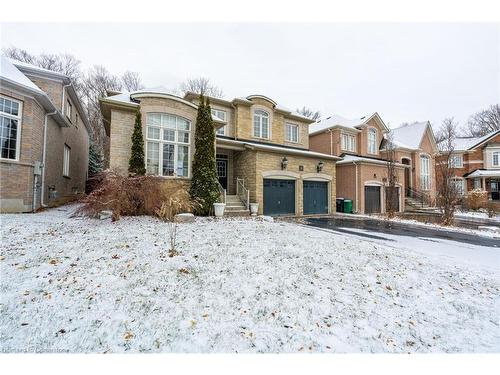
{"x":83,"y":285}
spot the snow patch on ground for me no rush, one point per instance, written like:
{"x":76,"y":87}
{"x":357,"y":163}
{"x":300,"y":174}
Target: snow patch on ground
{"x":82,"y":285}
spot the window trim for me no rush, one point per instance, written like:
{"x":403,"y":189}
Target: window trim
{"x":493,"y":159}
{"x":287,"y":124}
{"x":371,"y":130}
{"x":343,"y":145}
{"x":429,"y":174}
{"x":160,"y":141}
{"x":19,"y":119}
{"x":66,"y":161}
{"x":219,"y":110}
{"x":453,"y":164}
{"x":462,"y":181}
{"x":254,"y":113}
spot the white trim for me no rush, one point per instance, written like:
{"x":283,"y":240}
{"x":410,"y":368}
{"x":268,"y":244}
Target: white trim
{"x":269,"y":122}
{"x":298,"y":132}
{"x":280,"y":175}
{"x":347,"y":135}
{"x":250,"y":97}
{"x":66,"y":161}
{"x":160,"y":95}
{"x":371,"y":129}
{"x":19,"y":119}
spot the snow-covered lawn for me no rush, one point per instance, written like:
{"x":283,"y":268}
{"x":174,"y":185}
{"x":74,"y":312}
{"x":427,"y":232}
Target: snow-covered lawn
{"x":476,"y":215}
{"x":81,"y":285}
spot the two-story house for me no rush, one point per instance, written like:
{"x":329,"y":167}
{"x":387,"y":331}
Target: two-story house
{"x":362,"y":175}
{"x":476,"y":164}
{"x":262,"y":148}
{"x":44,"y":138}
{"x":415,"y":146}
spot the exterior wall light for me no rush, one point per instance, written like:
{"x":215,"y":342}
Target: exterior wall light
{"x":319,"y":167}
{"x":284,"y":163}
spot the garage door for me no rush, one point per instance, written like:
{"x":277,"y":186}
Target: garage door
{"x":372,"y":199}
{"x":315,"y":197}
{"x":279,"y":197}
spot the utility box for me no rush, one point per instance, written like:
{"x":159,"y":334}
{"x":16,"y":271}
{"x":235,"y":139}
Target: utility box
{"x":37,"y":170}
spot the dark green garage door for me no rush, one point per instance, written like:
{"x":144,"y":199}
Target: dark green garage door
{"x":315,"y":197}
{"x":279,"y":197}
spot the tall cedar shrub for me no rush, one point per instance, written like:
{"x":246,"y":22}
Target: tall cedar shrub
{"x":95,"y":161}
{"x":136,"y":165}
{"x":204,"y":184}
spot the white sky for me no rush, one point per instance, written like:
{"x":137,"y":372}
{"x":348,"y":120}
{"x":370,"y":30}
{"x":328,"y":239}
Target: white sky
{"x":406,"y":72}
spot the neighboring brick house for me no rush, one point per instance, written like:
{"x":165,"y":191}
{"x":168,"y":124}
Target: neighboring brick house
{"x":262,"y":148}
{"x":476,"y":164}
{"x":415,"y":146}
{"x":44,"y":138}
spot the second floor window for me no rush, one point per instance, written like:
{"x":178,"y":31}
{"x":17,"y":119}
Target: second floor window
{"x":292,"y":133}
{"x":167,"y":145}
{"x":456,"y":161}
{"x":425,"y":173}
{"x":10,"y":118}
{"x":372,"y":141}
{"x":348,"y":142}
{"x":261,"y":124}
{"x":496,"y":159}
{"x":68,"y":110}
{"x":221,"y":115}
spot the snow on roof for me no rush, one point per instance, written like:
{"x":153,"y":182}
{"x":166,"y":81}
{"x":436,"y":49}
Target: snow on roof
{"x":11,"y":73}
{"x":353,"y":158}
{"x":467,"y":143}
{"x":409,"y":135}
{"x":484,"y":173}
{"x":337,"y":120}
{"x":26,"y":66}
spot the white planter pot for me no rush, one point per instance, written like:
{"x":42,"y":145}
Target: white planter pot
{"x":254,"y":208}
{"x":219,"y":209}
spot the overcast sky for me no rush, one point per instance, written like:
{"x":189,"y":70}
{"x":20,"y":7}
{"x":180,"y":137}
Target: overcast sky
{"x":406,"y":72}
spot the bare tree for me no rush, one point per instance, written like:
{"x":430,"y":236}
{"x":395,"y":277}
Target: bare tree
{"x":309,"y":113}
{"x":392,"y":197}
{"x":19,"y":55}
{"x":201,"y":85}
{"x":132,"y":81}
{"x":485,"y":121}
{"x":448,"y":193}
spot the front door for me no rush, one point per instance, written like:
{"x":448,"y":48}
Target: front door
{"x":407,"y":177}
{"x":221,"y":163}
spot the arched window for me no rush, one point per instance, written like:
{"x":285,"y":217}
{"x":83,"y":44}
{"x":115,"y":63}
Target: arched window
{"x":261,"y":124}
{"x":425,"y":172}
{"x":372,"y":141}
{"x":167,"y":145}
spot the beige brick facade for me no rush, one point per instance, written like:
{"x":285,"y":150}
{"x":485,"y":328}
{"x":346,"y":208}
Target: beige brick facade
{"x":20,"y":189}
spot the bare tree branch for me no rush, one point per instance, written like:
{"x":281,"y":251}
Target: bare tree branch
{"x":307,"y":112}
{"x":484,"y":122}
{"x":132,"y":81}
{"x":201,"y":85}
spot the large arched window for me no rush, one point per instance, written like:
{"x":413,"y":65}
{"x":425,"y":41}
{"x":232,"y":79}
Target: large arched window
{"x":261,"y":124}
{"x":372,"y":141}
{"x":425,"y":172}
{"x":167,"y":146}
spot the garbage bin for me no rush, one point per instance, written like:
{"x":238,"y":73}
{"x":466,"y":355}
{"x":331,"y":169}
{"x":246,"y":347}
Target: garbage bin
{"x":347,"y":206}
{"x":340,"y":204}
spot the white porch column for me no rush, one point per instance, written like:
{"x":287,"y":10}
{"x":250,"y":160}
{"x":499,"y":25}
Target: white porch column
{"x":484,"y":183}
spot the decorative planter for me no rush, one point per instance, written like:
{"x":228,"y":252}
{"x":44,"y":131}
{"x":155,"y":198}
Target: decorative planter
{"x":219,"y":209}
{"x":254,"y":208}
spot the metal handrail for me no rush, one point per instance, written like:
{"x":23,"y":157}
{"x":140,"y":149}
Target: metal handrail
{"x":222,"y":192}
{"x":243,"y":192}
{"x":418,"y":195}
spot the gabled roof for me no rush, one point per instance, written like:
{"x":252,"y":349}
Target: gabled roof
{"x":470,"y":143}
{"x":9,"y":72}
{"x":342,"y":122}
{"x":410,"y":136}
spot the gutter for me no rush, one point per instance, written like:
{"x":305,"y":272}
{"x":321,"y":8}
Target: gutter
{"x":44,"y":156}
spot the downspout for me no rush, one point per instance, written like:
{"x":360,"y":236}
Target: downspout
{"x":44,"y":154}
{"x":331,"y":142}
{"x":357,"y":203}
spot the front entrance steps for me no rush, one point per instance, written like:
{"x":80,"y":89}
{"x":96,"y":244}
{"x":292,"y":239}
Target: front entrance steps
{"x":235,"y":207}
{"x":415,"y":205}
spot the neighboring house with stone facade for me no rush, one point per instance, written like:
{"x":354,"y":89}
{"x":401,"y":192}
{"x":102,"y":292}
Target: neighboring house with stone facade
{"x":476,"y":164}
{"x":44,"y":138}
{"x":362,"y":175}
{"x":262,"y":149}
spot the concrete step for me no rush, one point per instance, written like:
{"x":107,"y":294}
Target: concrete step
{"x":237,"y":213}
{"x":235,"y":208}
